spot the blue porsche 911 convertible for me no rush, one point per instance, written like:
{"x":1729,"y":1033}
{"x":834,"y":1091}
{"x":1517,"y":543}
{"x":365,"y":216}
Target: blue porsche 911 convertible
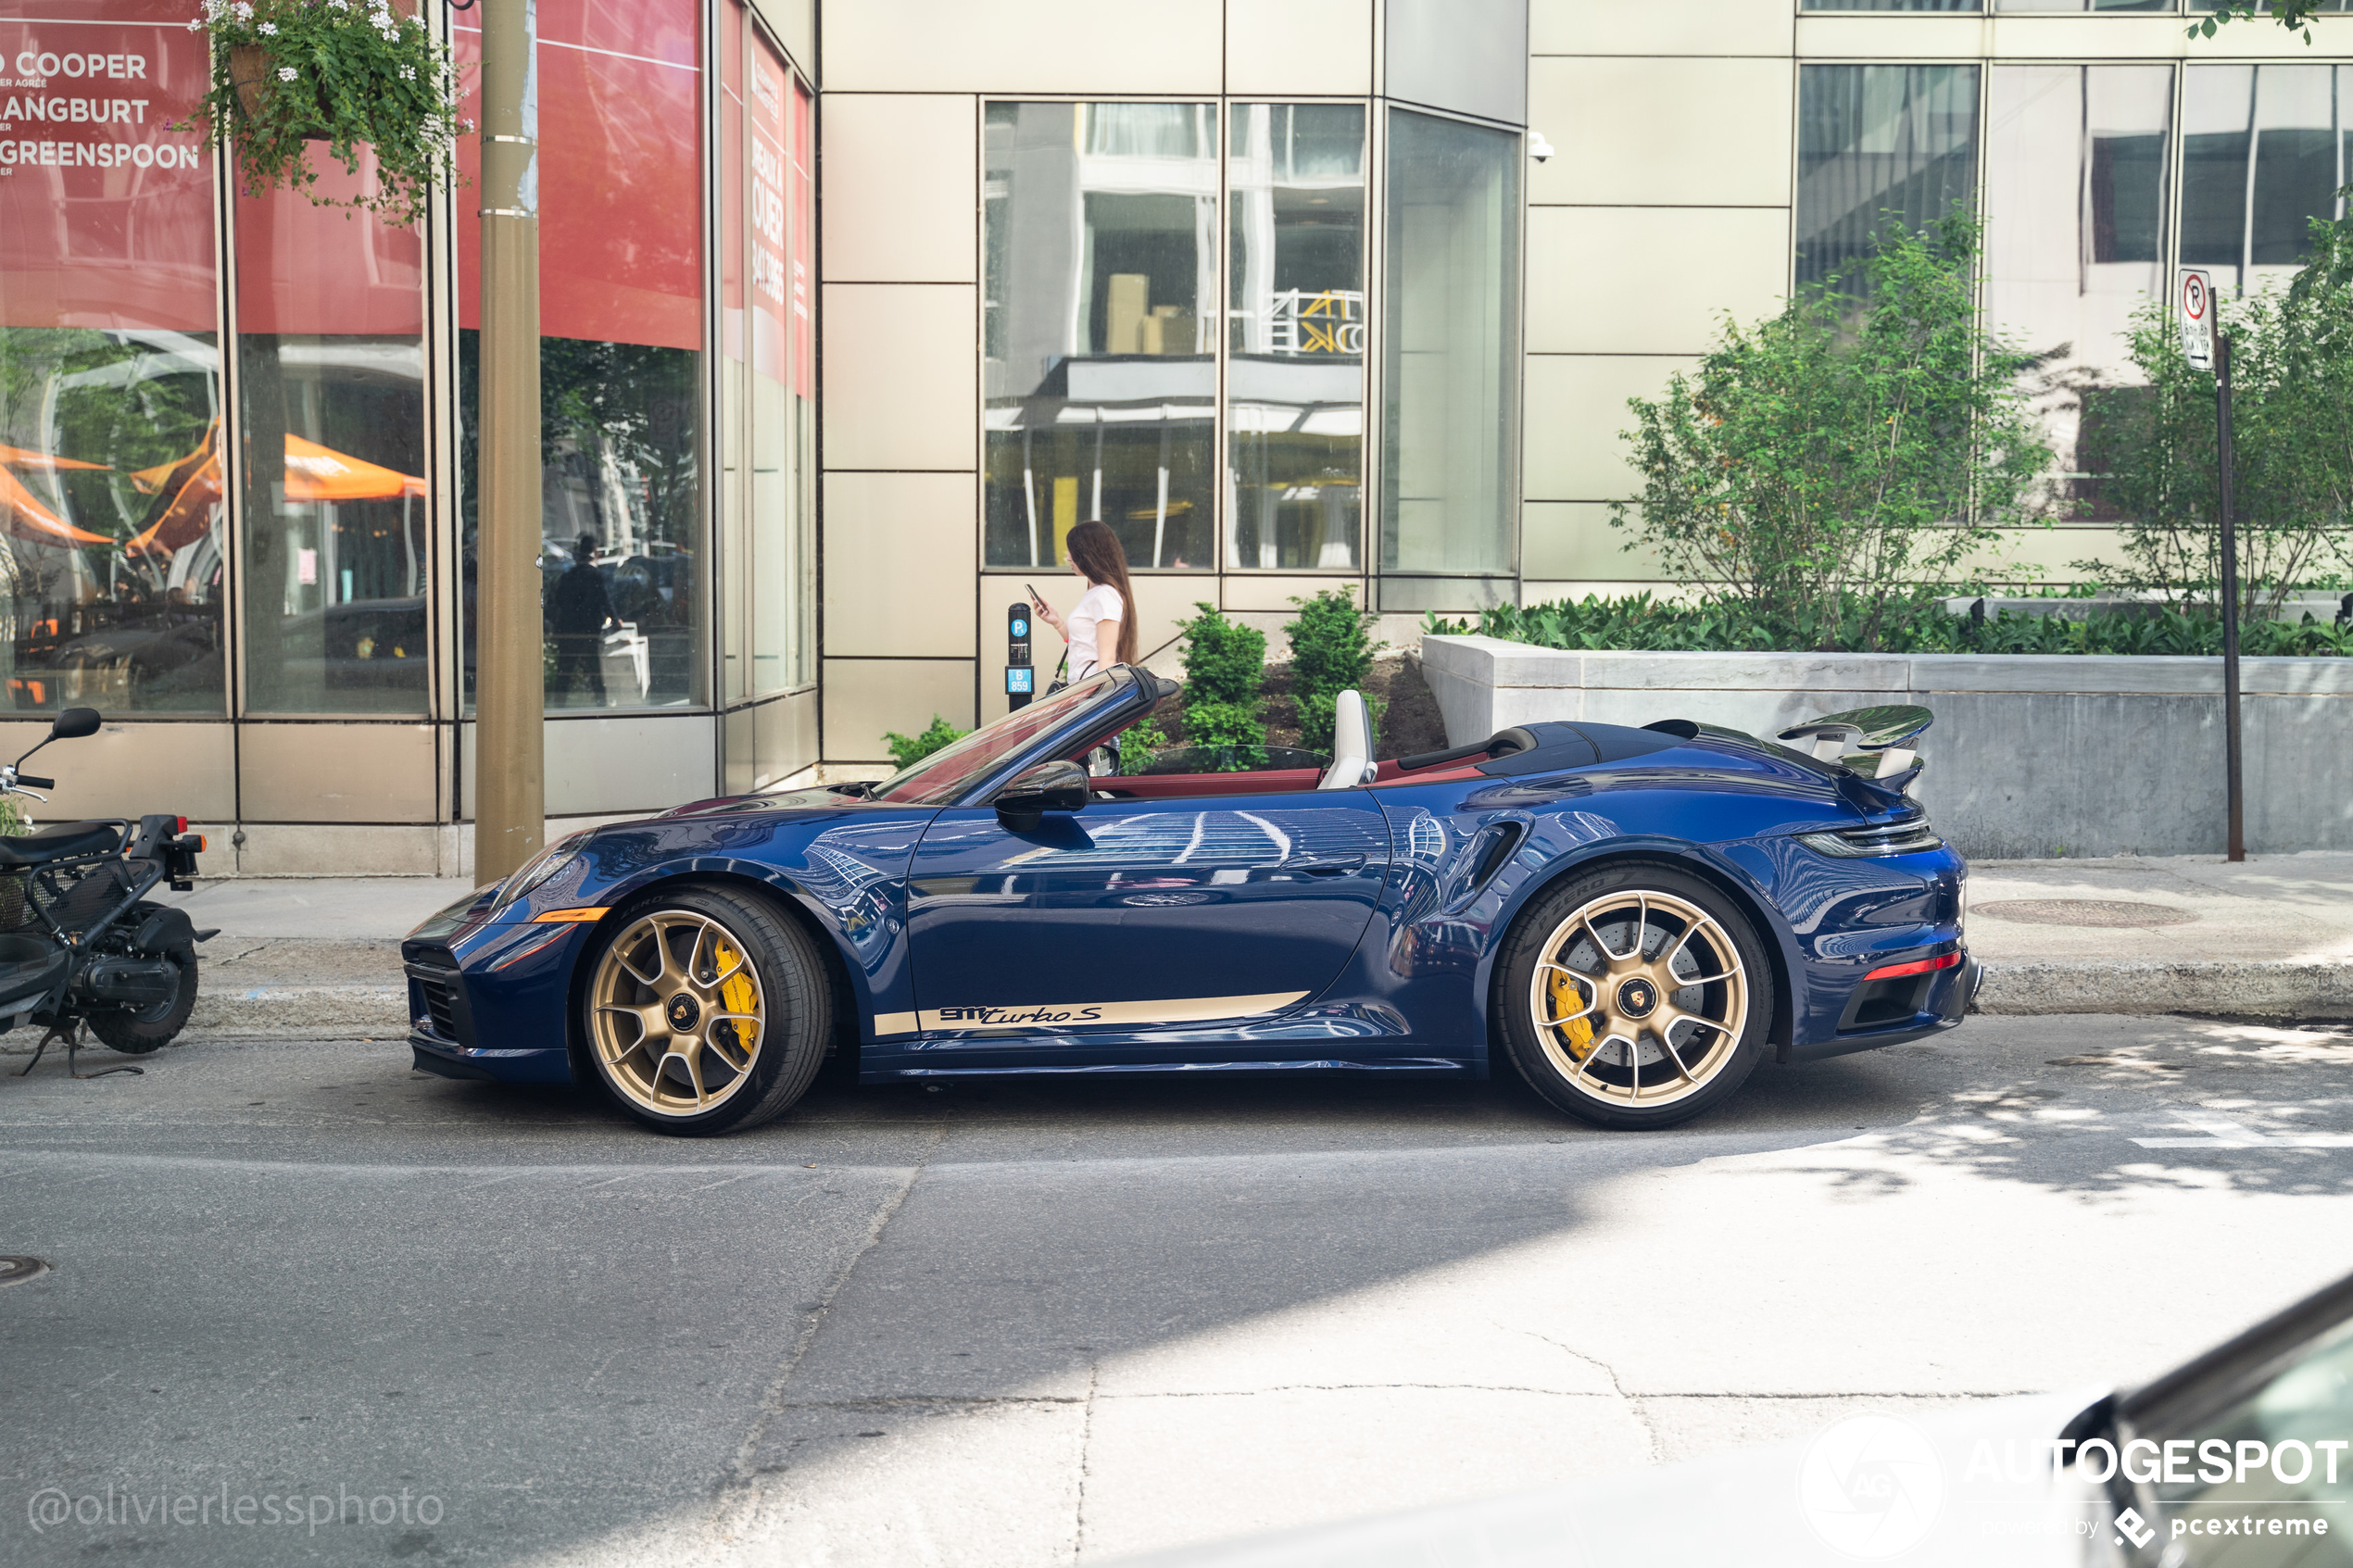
{"x":1631,"y":917}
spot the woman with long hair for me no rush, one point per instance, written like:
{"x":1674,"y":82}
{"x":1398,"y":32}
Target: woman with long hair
{"x":1102,"y":629}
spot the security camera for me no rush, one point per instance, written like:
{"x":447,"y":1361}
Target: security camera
{"x":1539,"y":148}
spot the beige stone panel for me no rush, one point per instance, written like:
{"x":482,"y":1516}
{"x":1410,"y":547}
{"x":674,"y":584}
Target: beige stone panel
{"x":1534,"y":592}
{"x":1662,"y":27}
{"x":129,"y":770}
{"x":1576,"y":406}
{"x":1884,"y":37}
{"x":900,"y":555}
{"x":314,"y":848}
{"x":1253,"y":592}
{"x":337,"y":772}
{"x":1275,"y":47}
{"x":2046,"y":555}
{"x":1662,"y":133}
{"x":1631,"y":279}
{"x":899,"y":187}
{"x":866,"y":696}
{"x":1574,"y":539}
{"x":902,"y":375}
{"x":1023,"y":47}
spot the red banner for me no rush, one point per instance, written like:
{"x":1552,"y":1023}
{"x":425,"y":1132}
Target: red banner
{"x":767,"y":106}
{"x":803,"y":222}
{"x":732,"y":28}
{"x":619,"y":173}
{"x":327,"y":270}
{"x":105,"y":218}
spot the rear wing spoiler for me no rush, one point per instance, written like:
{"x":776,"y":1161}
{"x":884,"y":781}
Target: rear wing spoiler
{"x":1876,"y":743}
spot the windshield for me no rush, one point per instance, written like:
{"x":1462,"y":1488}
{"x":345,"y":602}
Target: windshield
{"x":947,"y":773}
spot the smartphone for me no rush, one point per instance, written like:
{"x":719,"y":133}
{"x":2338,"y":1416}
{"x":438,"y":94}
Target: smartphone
{"x":1033,"y":595}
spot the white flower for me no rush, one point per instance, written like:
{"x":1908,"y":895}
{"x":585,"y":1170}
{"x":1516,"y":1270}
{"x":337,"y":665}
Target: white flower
{"x":408,"y":73}
{"x":197,"y":26}
{"x":243,"y":10}
{"x":267,"y":29}
{"x":285,"y":73}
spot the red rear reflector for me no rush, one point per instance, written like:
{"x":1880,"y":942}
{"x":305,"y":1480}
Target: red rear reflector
{"x":184,"y":824}
{"x":1924,"y":966}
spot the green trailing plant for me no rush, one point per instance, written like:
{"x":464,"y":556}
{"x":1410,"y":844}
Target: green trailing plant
{"x":1915,"y":624}
{"x":1856,"y":442}
{"x":1331,"y":651}
{"x":2292,"y":446}
{"x":347,"y":73}
{"x":1225,"y":665}
{"x":2294,"y":15}
{"x":908,"y":750}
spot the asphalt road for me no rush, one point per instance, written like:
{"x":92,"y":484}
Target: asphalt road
{"x":1024,"y":1324}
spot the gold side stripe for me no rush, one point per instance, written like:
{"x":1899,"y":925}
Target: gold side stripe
{"x":558,"y":917}
{"x":1051,"y":1015}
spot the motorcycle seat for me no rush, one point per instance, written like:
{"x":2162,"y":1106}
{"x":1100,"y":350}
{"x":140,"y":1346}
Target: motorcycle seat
{"x":60,"y":842}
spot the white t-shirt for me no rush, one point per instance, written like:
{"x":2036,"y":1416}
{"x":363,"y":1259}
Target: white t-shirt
{"x":1091,"y":649}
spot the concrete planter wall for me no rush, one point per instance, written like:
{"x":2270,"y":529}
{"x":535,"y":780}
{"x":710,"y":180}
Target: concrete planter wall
{"x":2033,"y":754}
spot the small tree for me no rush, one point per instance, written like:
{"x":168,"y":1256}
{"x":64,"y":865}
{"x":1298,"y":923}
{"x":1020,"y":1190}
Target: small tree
{"x":1224,"y":664}
{"x":1332,"y":650}
{"x":908,"y":750}
{"x":2292,"y":446}
{"x":1846,"y":447}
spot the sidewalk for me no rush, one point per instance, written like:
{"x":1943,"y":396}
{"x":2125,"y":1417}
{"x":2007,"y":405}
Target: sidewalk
{"x":2271,"y":938}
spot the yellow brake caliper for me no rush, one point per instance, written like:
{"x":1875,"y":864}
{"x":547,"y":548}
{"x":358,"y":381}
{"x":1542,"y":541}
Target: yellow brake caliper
{"x":1568,"y":998}
{"x":736,"y":992}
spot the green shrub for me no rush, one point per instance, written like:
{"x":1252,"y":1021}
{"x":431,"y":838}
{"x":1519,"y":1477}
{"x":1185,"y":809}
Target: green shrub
{"x":1332,"y":650}
{"x":1231,"y":727}
{"x":1224,"y":662}
{"x":908,"y":750}
{"x":1852,"y":444}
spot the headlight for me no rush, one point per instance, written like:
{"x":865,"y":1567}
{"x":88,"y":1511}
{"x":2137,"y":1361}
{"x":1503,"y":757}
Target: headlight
{"x":1906,"y":837}
{"x":540,"y":867}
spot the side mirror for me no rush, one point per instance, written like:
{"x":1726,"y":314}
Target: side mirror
{"x":1049,"y":786}
{"x":74,"y":723}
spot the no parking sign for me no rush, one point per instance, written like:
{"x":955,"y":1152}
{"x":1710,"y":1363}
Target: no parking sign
{"x":2197,"y":299}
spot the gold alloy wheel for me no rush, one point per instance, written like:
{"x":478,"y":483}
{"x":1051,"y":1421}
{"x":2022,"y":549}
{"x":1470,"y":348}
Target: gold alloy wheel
{"x":676,"y":1014}
{"x":1639,"y":998}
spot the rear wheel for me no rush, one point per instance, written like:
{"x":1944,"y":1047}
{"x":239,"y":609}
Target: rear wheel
{"x":1637,"y":995}
{"x":707,"y":1012}
{"x":137,"y":1033}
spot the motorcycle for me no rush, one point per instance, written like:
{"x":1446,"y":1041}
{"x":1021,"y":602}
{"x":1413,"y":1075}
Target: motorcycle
{"x":80,"y":943}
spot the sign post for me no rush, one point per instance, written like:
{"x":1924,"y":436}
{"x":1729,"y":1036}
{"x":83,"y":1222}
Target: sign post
{"x":2209,"y":348}
{"x":1021,"y":679}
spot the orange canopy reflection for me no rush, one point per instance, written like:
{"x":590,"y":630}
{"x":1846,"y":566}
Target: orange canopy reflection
{"x":29,"y":520}
{"x":313,"y":473}
{"x":18,"y":457}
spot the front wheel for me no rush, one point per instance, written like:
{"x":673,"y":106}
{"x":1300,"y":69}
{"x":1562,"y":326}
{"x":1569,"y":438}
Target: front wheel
{"x":706,"y":1011}
{"x":153,"y":1026}
{"x":1637,"y":995}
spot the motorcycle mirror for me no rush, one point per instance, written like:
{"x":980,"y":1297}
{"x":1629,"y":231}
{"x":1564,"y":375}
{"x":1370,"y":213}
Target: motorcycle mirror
{"x":74,"y":723}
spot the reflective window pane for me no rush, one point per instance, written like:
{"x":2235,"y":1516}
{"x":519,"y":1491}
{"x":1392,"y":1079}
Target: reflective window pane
{"x":2264,"y":150}
{"x":2076,"y":182}
{"x":112,"y":512}
{"x":2086,"y":5}
{"x":1450,"y":404}
{"x":1295,"y":372}
{"x":622,"y":556}
{"x":1875,"y":140}
{"x":1099,"y":301}
{"x":1892,"y":6}
{"x":331,"y":385}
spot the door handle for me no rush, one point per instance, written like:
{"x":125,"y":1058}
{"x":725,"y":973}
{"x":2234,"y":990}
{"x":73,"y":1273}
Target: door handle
{"x":1314,"y":865}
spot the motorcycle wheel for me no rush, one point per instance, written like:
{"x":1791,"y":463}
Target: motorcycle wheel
{"x":152,"y":1027}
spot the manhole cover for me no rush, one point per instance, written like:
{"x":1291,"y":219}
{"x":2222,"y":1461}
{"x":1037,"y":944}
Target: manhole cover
{"x":15,"y":1271}
{"x":2111,"y":912}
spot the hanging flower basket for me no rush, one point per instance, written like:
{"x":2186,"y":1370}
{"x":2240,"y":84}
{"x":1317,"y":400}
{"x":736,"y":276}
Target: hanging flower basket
{"x":349,"y":73}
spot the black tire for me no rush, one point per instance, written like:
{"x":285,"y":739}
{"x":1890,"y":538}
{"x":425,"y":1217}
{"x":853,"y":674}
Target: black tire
{"x":152,"y":1027}
{"x":1581,"y":931}
{"x":760,"y":1074}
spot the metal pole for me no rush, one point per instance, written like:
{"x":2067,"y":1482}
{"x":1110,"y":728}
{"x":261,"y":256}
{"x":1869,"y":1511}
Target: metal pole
{"x":510,"y":803}
{"x":2230,"y":601}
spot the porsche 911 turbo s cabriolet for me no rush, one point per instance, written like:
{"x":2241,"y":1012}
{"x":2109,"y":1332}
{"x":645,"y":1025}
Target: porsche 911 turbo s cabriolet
{"x":1632,"y":919}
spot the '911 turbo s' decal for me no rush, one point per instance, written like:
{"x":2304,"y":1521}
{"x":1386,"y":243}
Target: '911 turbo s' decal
{"x":1047,"y":1015}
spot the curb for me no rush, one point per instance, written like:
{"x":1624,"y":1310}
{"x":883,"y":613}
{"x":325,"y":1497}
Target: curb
{"x":2251,"y":989}
{"x":2244,"y":989}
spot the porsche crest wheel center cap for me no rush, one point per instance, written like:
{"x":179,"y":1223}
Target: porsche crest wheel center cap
{"x":684,"y":1011}
{"x":1637,"y":998}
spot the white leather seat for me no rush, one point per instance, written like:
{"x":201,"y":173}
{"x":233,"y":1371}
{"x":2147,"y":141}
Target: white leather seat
{"x":1351,"y":744}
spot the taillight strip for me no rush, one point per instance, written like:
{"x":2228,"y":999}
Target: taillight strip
{"x":1921,"y":966}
